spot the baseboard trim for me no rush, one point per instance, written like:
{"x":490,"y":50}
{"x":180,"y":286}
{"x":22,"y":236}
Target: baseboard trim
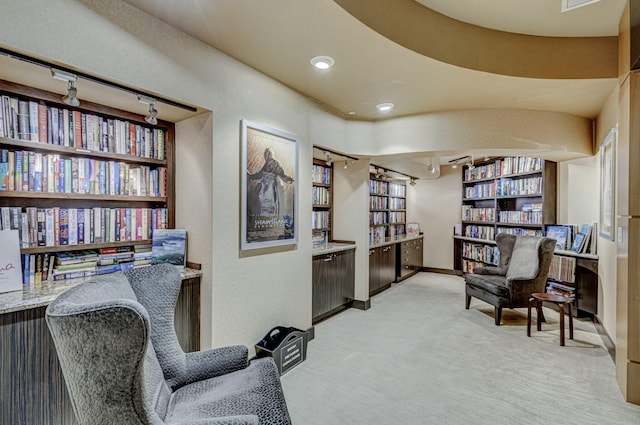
{"x":312,"y":332}
{"x":362,"y":305}
{"x":442,"y":271}
{"x":606,"y":339}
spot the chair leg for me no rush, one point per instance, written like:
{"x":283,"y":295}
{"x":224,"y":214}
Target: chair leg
{"x":498,"y":315}
{"x":539,"y":315}
{"x":468,"y":302}
{"x":531,"y":300}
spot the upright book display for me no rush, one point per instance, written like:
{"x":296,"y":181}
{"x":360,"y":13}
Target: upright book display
{"x":80,"y":179}
{"x":515,"y":195}
{"x":387,"y":210}
{"x":322,"y":199}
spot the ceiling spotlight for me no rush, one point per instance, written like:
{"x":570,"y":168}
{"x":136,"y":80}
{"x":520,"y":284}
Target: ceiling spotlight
{"x":70,"y":98}
{"x":412,"y":182}
{"x":346,"y":165}
{"x":322,"y":62}
{"x":455,"y":165}
{"x":152,"y":118}
{"x":329,"y":160}
{"x":384,"y":107}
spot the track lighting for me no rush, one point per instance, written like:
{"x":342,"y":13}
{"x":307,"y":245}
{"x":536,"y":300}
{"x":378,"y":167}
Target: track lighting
{"x":346,"y":165}
{"x":412,"y":182}
{"x":329,"y":159}
{"x":71,"y":98}
{"x":152,"y":118}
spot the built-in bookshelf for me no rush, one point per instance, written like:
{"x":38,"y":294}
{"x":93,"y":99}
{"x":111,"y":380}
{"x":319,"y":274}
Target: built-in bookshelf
{"x":322,"y":199}
{"x":387,"y":210}
{"x":515,"y":195}
{"x":89,"y":183}
{"x":575,"y":276}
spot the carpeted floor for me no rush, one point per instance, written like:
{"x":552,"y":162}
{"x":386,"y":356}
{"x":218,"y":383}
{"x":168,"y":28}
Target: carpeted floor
{"x":418,"y":357}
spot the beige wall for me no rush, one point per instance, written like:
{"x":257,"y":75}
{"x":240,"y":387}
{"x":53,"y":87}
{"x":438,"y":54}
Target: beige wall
{"x":245,"y":295}
{"x":435,"y":205}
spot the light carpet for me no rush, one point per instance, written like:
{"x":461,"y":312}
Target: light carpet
{"x":418,"y":357}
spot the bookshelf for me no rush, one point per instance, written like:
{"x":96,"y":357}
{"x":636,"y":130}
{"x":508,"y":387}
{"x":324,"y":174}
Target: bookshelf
{"x":575,"y":276}
{"x":387,"y":210}
{"x":322,"y":200}
{"x":515,"y":195}
{"x":73,"y":179}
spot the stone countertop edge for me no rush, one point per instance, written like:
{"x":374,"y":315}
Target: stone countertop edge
{"x":333,"y":247}
{"x":397,"y":240}
{"x":39,"y":295}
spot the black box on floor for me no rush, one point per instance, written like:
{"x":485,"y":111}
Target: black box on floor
{"x":287,"y":346}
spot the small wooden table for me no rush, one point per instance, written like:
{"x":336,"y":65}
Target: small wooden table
{"x":560,"y":301}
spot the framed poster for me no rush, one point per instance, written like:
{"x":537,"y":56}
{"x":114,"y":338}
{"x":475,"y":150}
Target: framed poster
{"x":607,"y":185}
{"x":169,"y":246}
{"x":269,"y":187}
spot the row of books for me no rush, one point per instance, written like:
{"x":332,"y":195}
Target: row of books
{"x":469,"y":265}
{"x":518,"y":231}
{"x":29,"y":171}
{"x":563,"y":268}
{"x":378,"y":217}
{"x":378,"y":202}
{"x":397,"y":217}
{"x":470,"y":213}
{"x":579,"y":239}
{"x":321,"y":174}
{"x":480,"y":190}
{"x":42,"y":227}
{"x":320,"y":195}
{"x":319,"y":238}
{"x":397,"y":231}
{"x":397,"y":203}
{"x":37,"y":268}
{"x":480,"y":232}
{"x":488,"y":254}
{"x":503,"y":167}
{"x":377,"y":235}
{"x":560,"y":289}
{"x":320,"y":220}
{"x":520,"y":217}
{"x":480,"y":172}
{"x":396,"y":189}
{"x":518,"y":165}
{"x":378,"y":188}
{"x":518,"y":187}
{"x":28,"y":120}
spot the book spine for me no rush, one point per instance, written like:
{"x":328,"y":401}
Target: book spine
{"x":33,"y":121}
{"x":42,"y":123}
{"x":64,"y":226}
{"x":80,"y":226}
{"x":73,"y":226}
{"x":49,"y":228}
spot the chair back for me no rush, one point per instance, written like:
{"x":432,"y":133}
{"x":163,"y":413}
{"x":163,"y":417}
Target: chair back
{"x":530,"y":261}
{"x":101,"y":334}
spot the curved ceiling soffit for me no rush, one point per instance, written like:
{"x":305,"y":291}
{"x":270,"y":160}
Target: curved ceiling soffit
{"x":458,"y":43}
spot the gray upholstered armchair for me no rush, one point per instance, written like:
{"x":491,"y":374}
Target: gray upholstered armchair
{"x":122,"y":363}
{"x":523,"y":269}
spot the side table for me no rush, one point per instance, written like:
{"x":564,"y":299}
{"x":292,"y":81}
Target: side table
{"x":560,"y":301}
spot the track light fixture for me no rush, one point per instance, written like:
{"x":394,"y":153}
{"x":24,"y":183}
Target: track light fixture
{"x":152,"y":118}
{"x":71,"y":98}
{"x":329,"y":159}
{"x":412,"y":182}
{"x":346,"y":165}
{"x":382,"y":173}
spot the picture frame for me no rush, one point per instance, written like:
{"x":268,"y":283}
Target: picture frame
{"x":607,"y":185}
{"x":269,"y":187}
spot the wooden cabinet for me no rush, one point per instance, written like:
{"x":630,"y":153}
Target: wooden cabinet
{"x":515,"y":195}
{"x":382,"y":268}
{"x":333,"y":283}
{"x":409,"y":258}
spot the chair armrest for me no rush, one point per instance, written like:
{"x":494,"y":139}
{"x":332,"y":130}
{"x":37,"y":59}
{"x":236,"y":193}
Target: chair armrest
{"x":489,"y":270}
{"x":218,"y":361}
{"x":225,"y":420}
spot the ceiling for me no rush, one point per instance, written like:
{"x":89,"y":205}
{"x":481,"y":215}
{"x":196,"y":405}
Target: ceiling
{"x":279,"y":37}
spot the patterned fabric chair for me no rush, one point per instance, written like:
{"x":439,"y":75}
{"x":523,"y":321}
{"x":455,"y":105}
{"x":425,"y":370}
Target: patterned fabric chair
{"x":523,"y":270}
{"x":122,"y":362}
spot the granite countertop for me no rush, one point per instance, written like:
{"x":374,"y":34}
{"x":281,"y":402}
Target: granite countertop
{"x":396,"y":240}
{"x":41,"y":294}
{"x":333,"y":247}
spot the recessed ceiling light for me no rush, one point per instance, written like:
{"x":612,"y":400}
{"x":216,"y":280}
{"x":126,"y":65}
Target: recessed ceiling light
{"x":351,"y":112}
{"x":384,"y":107}
{"x":323,"y":62}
